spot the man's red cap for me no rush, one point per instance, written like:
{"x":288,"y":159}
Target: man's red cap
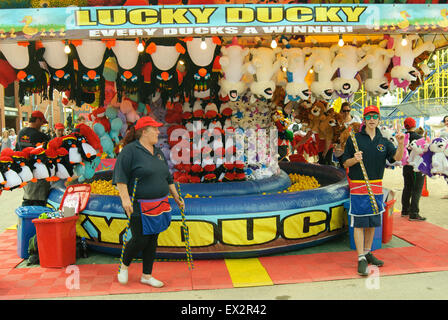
{"x":371,"y":109}
{"x":410,"y":123}
{"x":38,"y":114}
{"x":59,"y":126}
{"x":147,"y":122}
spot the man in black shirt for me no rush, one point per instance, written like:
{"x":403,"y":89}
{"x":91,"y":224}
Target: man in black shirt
{"x":35,"y":194}
{"x":374,"y":149}
{"x":413,"y":181}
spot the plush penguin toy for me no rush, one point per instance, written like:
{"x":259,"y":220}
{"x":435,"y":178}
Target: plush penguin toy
{"x":91,"y":56}
{"x":60,"y":67}
{"x":69,"y":142}
{"x":12,"y":178}
{"x":39,"y":164}
{"x":21,"y":167}
{"x":64,"y":167}
{"x":26,"y":59}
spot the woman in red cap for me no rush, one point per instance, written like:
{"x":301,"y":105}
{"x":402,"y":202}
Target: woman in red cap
{"x":413,"y":181}
{"x":141,"y":171}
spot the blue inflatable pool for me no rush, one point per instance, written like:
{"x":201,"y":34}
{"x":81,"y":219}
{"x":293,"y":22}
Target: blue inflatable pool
{"x":233,"y":219}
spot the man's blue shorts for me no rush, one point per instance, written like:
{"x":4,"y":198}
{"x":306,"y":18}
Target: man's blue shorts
{"x":368,"y":221}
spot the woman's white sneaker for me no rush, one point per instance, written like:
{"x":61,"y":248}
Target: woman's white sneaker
{"x":152,"y":282}
{"x":123,"y":276}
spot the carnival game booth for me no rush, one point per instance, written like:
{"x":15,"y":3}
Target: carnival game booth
{"x":230,"y":219}
{"x":207,"y":71}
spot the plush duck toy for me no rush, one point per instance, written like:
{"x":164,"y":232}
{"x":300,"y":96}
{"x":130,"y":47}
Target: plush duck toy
{"x":322,"y":85}
{"x":263,"y":66}
{"x":233,"y":68}
{"x":296,"y":71}
{"x":348,"y":61}
{"x":376,"y":83}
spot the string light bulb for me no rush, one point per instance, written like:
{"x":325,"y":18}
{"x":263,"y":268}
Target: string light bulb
{"x":341,"y":41}
{"x":273,"y":43}
{"x":67,"y":49}
{"x":203,"y":44}
{"x":404,"y":41}
{"x":140,"y":46}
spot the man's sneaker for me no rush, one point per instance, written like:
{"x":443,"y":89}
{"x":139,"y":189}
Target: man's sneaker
{"x":371,"y":259}
{"x":362,"y":267}
{"x":416,"y":217}
{"x":404,"y":214}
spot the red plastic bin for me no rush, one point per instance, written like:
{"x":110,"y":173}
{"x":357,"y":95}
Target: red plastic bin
{"x":388,"y":221}
{"x":56,"y":241}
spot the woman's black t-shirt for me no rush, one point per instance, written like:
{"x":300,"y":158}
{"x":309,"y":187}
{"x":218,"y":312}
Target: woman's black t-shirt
{"x":135,"y":161}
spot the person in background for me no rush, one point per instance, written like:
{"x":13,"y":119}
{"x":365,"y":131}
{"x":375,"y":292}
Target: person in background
{"x":12,"y":137}
{"x":35,"y":194}
{"x":149,"y":212}
{"x":59,"y":129}
{"x":69,"y":121}
{"x":413,"y":181}
{"x":6,"y":142}
{"x":348,"y":119}
{"x":374,"y":150}
{"x":444,"y":134}
{"x":80,"y":119}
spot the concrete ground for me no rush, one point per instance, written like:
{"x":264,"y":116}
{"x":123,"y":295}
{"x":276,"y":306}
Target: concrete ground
{"x":421,"y":286}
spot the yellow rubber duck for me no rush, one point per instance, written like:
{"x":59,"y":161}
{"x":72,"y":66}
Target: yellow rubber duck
{"x":405,"y":23}
{"x":27,"y":30}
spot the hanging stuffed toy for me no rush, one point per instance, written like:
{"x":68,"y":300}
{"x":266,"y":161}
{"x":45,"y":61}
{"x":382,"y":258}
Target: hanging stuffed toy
{"x":417,"y":148}
{"x":166,"y":79}
{"x":129,"y":60}
{"x":376,"y":83}
{"x":60,"y":67}
{"x":296,"y":71}
{"x":403,"y":71}
{"x":7,"y":72}
{"x":27,"y":60}
{"x":233,"y":69}
{"x":349,"y":61}
{"x":322,"y":85}
{"x":439,"y":162}
{"x":203,"y":68}
{"x":115,"y":124}
{"x":91,"y":56}
{"x":264,"y":65}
